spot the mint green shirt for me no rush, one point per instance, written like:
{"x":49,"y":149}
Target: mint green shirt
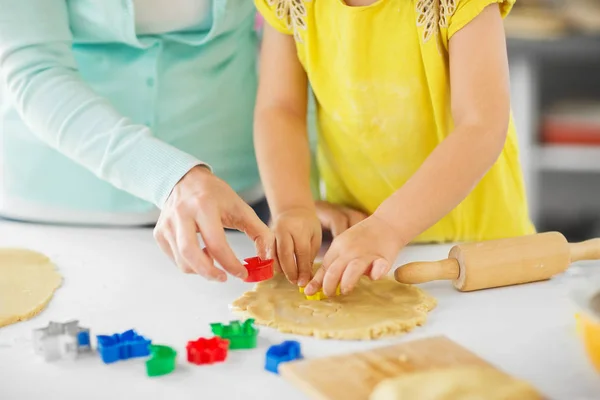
{"x":99,"y":119}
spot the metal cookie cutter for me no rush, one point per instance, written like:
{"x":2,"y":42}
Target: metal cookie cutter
{"x":61,"y":340}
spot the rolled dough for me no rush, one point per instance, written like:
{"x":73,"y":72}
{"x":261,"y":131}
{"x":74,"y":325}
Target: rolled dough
{"x":374,"y":309}
{"x":27,"y":282}
{"x":461,"y":383}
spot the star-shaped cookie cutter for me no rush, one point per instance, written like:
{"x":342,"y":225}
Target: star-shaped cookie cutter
{"x":319,"y":295}
{"x":61,"y":340}
{"x":207,"y":351}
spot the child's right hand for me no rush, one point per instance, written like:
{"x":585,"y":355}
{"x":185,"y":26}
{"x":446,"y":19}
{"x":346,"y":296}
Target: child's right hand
{"x":298,"y":238}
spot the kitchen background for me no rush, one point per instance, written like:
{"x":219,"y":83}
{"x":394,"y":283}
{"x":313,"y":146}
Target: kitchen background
{"x":554,"y":53}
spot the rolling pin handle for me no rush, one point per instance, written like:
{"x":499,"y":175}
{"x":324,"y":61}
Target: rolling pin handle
{"x":588,"y":250}
{"x":421,"y":272}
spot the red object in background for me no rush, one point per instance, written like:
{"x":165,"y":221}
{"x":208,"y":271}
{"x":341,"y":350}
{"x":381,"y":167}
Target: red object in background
{"x":207,"y":351}
{"x":575,"y":123}
{"x":258,"y":269}
{"x":570,"y":133}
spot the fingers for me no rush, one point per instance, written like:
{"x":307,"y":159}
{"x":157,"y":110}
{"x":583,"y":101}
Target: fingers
{"x":380,"y":268}
{"x":162,"y":241}
{"x":315,"y":247}
{"x":188,"y":253}
{"x":165,"y":237}
{"x":332,"y":218}
{"x":345,"y":274}
{"x":339,"y":223}
{"x":285,"y":256}
{"x":179,"y":261}
{"x":304,"y":260}
{"x":276,"y":263}
{"x":317,"y":281}
{"x":205,"y":251}
{"x":335,"y":221}
{"x":257,"y":231}
{"x":352,"y":274}
{"x":332,"y":277}
{"x":213,"y":233}
{"x":331,"y":255}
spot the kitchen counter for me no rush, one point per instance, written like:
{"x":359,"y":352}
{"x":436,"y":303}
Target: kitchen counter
{"x":115,"y":280}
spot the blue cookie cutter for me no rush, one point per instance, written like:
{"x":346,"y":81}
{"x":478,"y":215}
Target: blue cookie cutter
{"x":123,"y":346}
{"x":284,"y":352}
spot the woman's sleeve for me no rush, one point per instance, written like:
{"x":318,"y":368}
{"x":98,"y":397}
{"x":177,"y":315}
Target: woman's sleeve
{"x":276,"y":14}
{"x":41,"y":78}
{"x":466,"y":10}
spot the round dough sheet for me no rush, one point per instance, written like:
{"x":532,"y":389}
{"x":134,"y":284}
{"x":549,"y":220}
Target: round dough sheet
{"x":373,"y":309}
{"x":461,"y":383}
{"x":27,"y":282}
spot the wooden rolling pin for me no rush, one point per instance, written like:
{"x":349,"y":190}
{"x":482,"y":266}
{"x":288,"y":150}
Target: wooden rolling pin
{"x":503,"y":262}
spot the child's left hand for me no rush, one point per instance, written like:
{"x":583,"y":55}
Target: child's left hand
{"x":370,"y":247}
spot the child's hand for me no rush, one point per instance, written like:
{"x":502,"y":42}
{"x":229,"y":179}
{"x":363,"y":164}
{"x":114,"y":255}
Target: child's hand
{"x":298,"y":238}
{"x":337,"y":218}
{"x":370,"y":248}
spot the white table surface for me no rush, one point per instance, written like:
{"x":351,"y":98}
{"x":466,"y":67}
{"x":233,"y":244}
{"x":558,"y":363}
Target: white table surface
{"x":115,"y":280}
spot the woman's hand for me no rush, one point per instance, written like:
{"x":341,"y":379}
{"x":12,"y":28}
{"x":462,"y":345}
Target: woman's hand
{"x":337,"y":218}
{"x":370,"y":248}
{"x":202,"y":203}
{"x":298,"y":238}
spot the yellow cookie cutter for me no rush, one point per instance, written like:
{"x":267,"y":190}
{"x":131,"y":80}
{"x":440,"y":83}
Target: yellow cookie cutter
{"x":319,"y":295}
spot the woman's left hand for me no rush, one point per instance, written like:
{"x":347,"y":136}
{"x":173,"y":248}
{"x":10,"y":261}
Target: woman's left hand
{"x":370,"y":247}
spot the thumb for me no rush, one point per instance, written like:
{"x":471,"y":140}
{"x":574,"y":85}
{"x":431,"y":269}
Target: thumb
{"x":258,"y":232}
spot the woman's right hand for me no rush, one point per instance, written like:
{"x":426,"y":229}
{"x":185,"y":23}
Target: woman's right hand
{"x":202,"y":203}
{"x":298,"y":238}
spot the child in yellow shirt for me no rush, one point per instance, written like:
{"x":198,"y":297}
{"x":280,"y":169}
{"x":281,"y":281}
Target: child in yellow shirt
{"x":414,"y":130}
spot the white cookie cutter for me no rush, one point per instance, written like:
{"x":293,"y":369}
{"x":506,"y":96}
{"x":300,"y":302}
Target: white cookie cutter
{"x":61,"y":340}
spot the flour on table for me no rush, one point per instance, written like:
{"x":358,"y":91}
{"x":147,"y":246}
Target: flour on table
{"x":27,"y":282}
{"x":460,"y":383}
{"x":373,"y":309}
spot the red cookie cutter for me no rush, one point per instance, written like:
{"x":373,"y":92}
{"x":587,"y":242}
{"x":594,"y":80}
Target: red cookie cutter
{"x":258,"y":269}
{"x":207,"y":351}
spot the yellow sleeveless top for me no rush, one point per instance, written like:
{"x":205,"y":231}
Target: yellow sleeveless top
{"x":381,"y":81}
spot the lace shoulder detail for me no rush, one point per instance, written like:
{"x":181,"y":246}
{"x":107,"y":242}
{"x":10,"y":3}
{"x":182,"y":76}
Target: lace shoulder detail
{"x":292,"y":13}
{"x":433,"y":15}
